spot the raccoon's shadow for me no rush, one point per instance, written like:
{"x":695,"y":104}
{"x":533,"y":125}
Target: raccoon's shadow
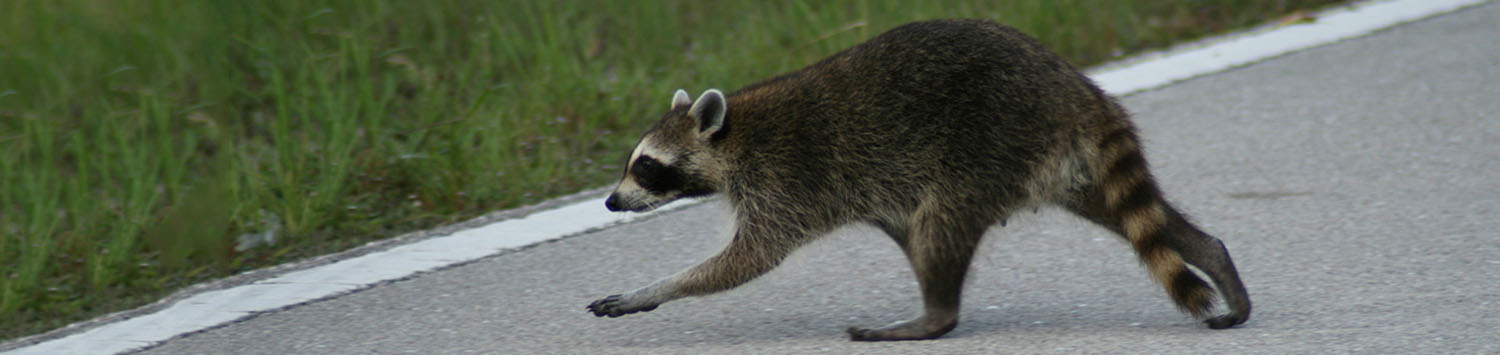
{"x":687,"y":328}
{"x":856,"y":276}
{"x":791,"y":307}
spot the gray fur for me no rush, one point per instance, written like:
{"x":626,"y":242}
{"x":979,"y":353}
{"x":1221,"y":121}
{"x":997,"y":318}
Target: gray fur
{"x":680,"y":99}
{"x":932,"y":132}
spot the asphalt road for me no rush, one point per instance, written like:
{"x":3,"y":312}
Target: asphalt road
{"x":1357,"y":186}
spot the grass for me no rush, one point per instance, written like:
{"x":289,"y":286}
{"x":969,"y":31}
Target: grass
{"x":138,"y":139}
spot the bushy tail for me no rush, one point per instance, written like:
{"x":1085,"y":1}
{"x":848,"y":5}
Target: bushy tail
{"x":1146,"y":221}
{"x":1124,"y":198}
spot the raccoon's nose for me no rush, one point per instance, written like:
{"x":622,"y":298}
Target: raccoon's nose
{"x":613,"y":203}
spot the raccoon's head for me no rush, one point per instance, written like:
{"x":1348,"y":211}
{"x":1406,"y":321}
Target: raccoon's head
{"x":674,"y":159}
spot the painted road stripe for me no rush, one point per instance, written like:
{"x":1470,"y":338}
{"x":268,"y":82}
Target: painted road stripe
{"x":1235,"y":50}
{"x":214,"y":308}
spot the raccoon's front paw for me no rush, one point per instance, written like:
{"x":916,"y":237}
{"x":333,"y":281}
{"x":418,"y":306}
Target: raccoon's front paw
{"x":615,"y":306}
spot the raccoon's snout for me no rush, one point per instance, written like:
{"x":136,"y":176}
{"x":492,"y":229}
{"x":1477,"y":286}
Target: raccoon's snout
{"x":613,"y":203}
{"x":617,"y":204}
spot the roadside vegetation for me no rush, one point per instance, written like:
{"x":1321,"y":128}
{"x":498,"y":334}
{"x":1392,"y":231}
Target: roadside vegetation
{"x":147,"y":145}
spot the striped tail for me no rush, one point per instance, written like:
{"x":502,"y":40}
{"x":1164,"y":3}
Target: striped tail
{"x":1124,"y":198}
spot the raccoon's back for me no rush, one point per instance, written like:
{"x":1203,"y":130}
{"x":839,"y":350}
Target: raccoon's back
{"x":959,"y":82}
{"x":954,"y":101}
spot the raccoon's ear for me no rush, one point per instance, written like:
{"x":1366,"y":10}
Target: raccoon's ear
{"x":681,"y":99}
{"x":709,"y":111}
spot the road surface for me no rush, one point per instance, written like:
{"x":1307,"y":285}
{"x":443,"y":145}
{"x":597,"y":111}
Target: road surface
{"x":1357,"y":186}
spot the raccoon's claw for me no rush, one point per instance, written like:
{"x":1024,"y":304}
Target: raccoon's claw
{"x":922,"y":328}
{"x":612,"y":306}
{"x":1225,"y":321}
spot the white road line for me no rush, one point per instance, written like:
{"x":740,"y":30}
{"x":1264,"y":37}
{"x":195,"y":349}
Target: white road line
{"x":1235,"y":50}
{"x":213,"y":308}
{"x":209,"y":309}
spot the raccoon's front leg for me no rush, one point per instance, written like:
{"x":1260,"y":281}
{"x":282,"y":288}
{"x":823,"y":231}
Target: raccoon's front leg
{"x":641,"y":300}
{"x":750,"y":254}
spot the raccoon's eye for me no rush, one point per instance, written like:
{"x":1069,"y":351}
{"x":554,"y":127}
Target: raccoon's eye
{"x":648,"y":163}
{"x":655,"y":177}
{"x":646,"y":167}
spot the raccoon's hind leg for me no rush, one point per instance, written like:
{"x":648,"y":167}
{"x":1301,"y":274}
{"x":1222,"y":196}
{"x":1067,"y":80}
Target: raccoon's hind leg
{"x":939,"y":247}
{"x":1127,"y":201}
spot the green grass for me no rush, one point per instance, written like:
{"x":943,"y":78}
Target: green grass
{"x":138,"y":138}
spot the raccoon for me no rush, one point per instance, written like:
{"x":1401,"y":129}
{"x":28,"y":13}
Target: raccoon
{"x":931,"y":132}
